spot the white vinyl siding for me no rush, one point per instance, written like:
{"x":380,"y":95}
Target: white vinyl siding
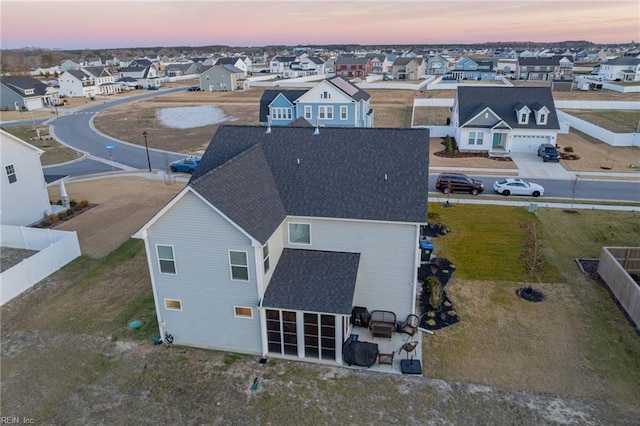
{"x":204,"y":284}
{"x":386,"y":272}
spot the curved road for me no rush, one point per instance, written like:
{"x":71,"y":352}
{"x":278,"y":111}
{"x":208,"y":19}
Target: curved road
{"x":103,"y":152}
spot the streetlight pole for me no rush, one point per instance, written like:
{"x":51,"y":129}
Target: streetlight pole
{"x":146,"y":147}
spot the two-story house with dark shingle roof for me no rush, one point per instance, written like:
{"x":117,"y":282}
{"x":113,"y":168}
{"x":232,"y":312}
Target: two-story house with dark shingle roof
{"x":626,"y":68}
{"x":504,"y":119}
{"x":335,"y":102}
{"x":295,"y":227}
{"x":222,"y":78}
{"x":545,"y":68}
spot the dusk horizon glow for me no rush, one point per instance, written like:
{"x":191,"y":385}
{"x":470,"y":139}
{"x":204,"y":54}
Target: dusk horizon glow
{"x":105,"y":24}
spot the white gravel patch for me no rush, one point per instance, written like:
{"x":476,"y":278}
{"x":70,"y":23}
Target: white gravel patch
{"x":193,"y":116}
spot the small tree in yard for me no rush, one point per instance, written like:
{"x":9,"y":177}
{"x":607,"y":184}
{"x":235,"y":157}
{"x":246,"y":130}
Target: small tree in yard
{"x":531,"y":255}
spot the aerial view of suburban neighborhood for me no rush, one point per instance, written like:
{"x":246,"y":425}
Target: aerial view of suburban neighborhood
{"x":247,"y":220}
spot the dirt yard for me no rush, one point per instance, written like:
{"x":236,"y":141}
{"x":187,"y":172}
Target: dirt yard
{"x":124,"y":204}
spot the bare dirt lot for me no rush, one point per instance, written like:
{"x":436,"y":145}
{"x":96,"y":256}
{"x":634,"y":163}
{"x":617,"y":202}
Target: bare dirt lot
{"x":124,"y":204}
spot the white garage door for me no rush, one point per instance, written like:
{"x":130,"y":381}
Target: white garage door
{"x":527,"y":143}
{"x":33,"y":103}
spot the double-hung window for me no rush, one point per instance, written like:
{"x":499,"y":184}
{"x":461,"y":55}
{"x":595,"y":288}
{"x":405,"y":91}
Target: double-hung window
{"x":307,"y":112}
{"x":325,"y":112}
{"x":239,"y":265}
{"x":281,"y":113}
{"x":299,"y":233}
{"x":475,"y":138}
{"x":166,"y":259}
{"x":344,"y":110}
{"x":11,"y":173}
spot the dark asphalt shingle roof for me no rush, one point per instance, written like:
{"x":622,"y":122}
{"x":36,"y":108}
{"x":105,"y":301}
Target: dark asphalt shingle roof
{"x":20,"y":84}
{"x":544,"y":61}
{"x":625,"y":60}
{"x":257,"y":178}
{"x":313,"y":281}
{"x":504,"y":101}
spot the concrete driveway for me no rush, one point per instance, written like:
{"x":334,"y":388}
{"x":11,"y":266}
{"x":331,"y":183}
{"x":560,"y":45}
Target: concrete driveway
{"x":530,"y":166}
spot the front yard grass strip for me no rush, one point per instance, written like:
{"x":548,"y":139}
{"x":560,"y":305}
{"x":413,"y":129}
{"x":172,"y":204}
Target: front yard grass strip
{"x":54,"y":153}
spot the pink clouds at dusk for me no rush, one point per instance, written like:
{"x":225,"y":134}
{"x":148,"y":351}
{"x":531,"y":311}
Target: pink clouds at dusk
{"x":112,"y":24}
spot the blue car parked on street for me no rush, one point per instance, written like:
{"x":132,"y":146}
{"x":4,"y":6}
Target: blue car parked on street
{"x":186,"y":165}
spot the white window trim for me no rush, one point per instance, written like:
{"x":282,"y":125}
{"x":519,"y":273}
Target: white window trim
{"x":325,"y":112}
{"x":345,"y":109}
{"x":289,"y":233}
{"x":172,"y":300}
{"x":246,"y":266}
{"x":235,"y":314}
{"x":308,"y":112}
{"x":175,"y":264}
{"x":266,"y":259}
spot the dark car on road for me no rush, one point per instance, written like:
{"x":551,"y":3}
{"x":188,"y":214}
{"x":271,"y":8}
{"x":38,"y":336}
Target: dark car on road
{"x":194,"y":89}
{"x":548,"y":152}
{"x":458,"y":182}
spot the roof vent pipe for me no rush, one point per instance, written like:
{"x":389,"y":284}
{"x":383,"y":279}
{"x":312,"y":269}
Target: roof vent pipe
{"x":385,"y":177}
{"x":298,"y":161}
{"x":316,"y":131}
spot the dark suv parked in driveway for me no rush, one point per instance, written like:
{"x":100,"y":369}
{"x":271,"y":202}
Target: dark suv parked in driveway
{"x":548,"y":152}
{"x":457,"y":182}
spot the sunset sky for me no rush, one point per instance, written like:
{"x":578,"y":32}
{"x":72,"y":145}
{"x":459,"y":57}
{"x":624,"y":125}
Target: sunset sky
{"x":91,"y":24}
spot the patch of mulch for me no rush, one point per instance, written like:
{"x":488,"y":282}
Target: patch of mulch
{"x":60,"y":218}
{"x":436,"y":319}
{"x":434,"y":230}
{"x":455,"y":153}
{"x":530,"y":294}
{"x":565,"y":156}
{"x":445,"y":314}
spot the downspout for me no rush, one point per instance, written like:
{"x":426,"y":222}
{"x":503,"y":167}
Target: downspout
{"x":416,"y":265}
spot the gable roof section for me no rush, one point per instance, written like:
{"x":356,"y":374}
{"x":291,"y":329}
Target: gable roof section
{"x":623,"y":61}
{"x":269,"y":95}
{"x":504,"y":101}
{"x":257,"y":178}
{"x":311,"y":280}
{"x":20,"y":84}
{"x":351,"y":60}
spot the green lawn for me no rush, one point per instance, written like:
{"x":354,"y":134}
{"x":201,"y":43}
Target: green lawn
{"x":617,"y":121}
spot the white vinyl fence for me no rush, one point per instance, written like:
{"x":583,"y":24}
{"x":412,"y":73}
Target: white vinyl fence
{"x":55,"y":249}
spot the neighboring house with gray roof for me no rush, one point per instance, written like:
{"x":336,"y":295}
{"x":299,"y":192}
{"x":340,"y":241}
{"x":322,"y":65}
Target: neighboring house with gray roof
{"x":408,"y":68}
{"x":542,"y":68}
{"x":180,"y":69}
{"x":145,"y":75}
{"x":334,"y":102}
{"x":504,"y":119}
{"x":626,"y":68}
{"x":26,"y":93}
{"x":88,"y":82}
{"x":295,"y":227}
{"x":222,"y":78}
{"x":237,"y":62}
{"x":351,"y":67}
